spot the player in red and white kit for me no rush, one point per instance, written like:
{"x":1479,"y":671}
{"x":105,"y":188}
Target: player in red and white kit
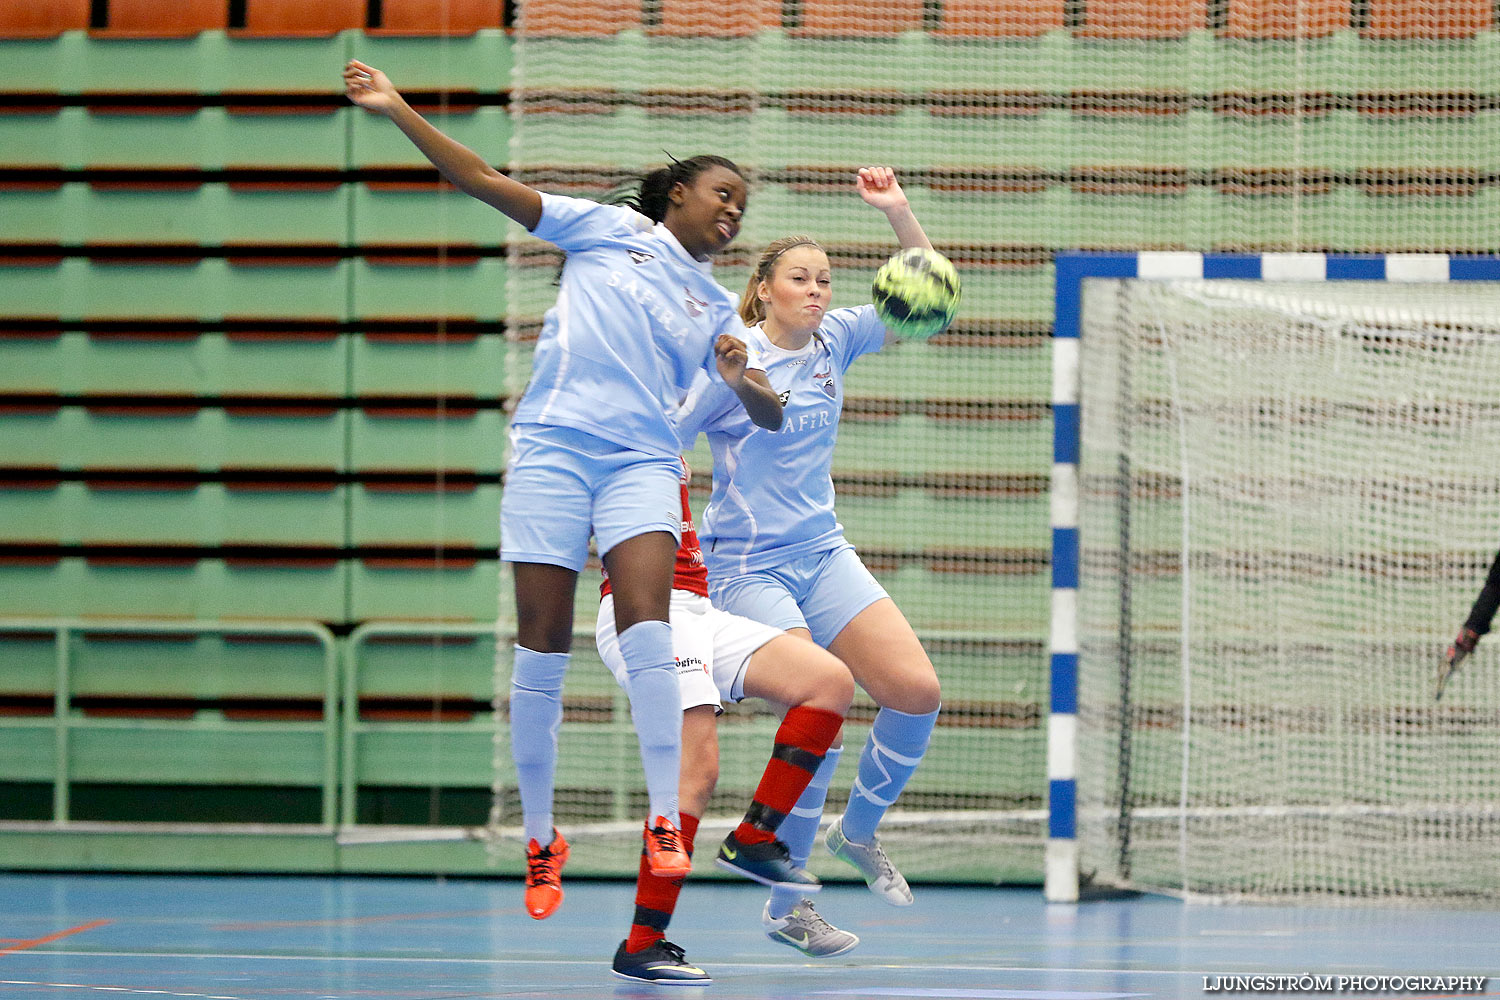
{"x":724,"y":657}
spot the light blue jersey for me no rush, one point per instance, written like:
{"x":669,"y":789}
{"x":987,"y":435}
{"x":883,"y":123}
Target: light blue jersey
{"x":635,"y":320}
{"x":772,"y":499}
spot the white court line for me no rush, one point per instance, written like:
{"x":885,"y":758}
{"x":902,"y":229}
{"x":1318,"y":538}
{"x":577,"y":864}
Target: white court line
{"x":416,"y":960}
{"x":114,"y":989}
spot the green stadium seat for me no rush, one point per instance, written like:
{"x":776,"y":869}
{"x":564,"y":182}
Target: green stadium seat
{"x":438,"y":17}
{"x":462,"y":664}
{"x":42,"y":18}
{"x":236,"y":669}
{"x":168,"y":587}
{"x":424,"y":214}
{"x":458,"y":514}
{"x":109,"y":511}
{"x":49,"y":138}
{"x":453,"y":362}
{"x":420,"y":587}
{"x":28,"y":749}
{"x":479,"y":63}
{"x":311,"y":288}
{"x":461,"y":288}
{"x":914,"y":444}
{"x":171,"y":436}
{"x":238,"y":62}
{"x":1424,"y":19}
{"x":1278,"y":19}
{"x":242,"y":362}
{"x":188,"y":137}
{"x":392,"y":436}
{"x":715,"y":18}
{"x":578,"y":18}
{"x":107,"y":213}
{"x":201,"y":751}
{"x":287,"y":214}
{"x":1134,"y":19}
{"x":30,"y":658}
{"x":978,"y":603}
{"x":174,"y":358}
{"x":1000,"y":18}
{"x":486,"y":130}
{"x":297,"y":18}
{"x":162,"y":18}
{"x":883,"y":520}
{"x":35,"y":362}
{"x":82,"y":289}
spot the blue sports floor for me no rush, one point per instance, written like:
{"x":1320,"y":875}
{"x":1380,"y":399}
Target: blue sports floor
{"x":84,"y":937}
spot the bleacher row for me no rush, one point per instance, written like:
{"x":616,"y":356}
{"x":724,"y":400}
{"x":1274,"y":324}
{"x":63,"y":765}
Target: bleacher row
{"x":959,"y":19}
{"x":254,"y":360}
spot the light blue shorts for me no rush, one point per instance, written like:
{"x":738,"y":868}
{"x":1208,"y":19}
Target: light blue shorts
{"x":562,"y":485}
{"x":821,"y":593}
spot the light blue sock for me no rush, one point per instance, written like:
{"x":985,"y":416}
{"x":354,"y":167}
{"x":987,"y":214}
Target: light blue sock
{"x":800,"y":828}
{"x":536,"y":683}
{"x":656,"y":709}
{"x":893,"y":751}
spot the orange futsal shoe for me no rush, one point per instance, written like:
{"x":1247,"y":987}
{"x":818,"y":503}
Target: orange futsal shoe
{"x":544,"y":876}
{"x":664,"y":851}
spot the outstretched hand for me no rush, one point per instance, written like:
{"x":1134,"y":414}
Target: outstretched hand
{"x":368,"y":87}
{"x":1462,"y":646}
{"x":879,"y":188}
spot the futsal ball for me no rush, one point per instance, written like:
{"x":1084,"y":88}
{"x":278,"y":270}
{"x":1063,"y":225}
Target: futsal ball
{"x":916,"y":293}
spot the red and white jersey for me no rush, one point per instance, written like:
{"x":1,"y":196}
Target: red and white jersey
{"x":689,"y":573}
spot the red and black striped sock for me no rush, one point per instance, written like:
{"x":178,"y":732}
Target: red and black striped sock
{"x":804,"y":737}
{"x":656,"y":897}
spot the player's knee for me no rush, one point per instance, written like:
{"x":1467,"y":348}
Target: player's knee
{"x":546,"y":636}
{"x":826,"y":683}
{"x":922,"y":695}
{"x":538,"y":675}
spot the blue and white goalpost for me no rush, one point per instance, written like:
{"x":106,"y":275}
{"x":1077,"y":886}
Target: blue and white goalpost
{"x":1275,"y":487}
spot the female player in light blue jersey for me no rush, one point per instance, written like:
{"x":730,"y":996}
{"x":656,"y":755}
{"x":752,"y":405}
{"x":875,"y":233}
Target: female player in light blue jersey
{"x":594,"y":450}
{"x":777,"y":554}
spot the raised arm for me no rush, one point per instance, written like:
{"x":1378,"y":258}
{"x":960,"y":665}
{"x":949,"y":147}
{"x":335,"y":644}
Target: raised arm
{"x":749,"y":384}
{"x":461,"y":166}
{"x":879,"y":188}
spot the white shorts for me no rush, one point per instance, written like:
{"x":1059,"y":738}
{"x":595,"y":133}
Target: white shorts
{"x":712,"y":647}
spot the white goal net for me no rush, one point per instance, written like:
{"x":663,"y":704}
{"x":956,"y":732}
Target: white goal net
{"x":1290,"y":494}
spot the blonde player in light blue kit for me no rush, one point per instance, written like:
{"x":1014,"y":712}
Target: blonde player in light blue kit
{"x":594,"y":451}
{"x":777,"y":554}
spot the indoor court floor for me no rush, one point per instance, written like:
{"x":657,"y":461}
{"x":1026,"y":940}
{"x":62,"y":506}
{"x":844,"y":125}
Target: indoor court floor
{"x":71,"y":937}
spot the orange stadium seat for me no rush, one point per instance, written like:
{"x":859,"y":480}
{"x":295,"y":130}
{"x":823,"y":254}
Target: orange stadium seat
{"x":1142,"y":18}
{"x":42,"y":18}
{"x":1000,"y":18}
{"x":163,"y":18}
{"x":294,"y":18}
{"x":1279,"y":19}
{"x":578,"y":17}
{"x":1427,"y":19}
{"x":858,"y":18}
{"x":438,"y":17}
{"x":716,"y":18}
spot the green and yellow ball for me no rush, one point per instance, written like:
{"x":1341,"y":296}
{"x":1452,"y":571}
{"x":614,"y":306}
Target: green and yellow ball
{"x":916,"y":293}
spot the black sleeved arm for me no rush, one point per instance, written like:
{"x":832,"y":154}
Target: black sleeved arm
{"x":1489,"y":598}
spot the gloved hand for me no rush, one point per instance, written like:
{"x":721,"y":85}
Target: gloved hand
{"x":1462,"y":646}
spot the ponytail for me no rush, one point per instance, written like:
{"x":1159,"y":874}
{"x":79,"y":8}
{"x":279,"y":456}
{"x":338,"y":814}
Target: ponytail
{"x":752,"y":309}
